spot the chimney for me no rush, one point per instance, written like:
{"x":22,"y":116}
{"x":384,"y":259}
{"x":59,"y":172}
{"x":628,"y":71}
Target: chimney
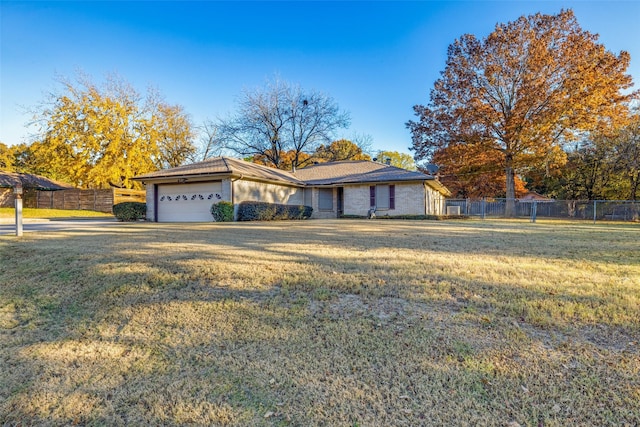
{"x":388,"y":161}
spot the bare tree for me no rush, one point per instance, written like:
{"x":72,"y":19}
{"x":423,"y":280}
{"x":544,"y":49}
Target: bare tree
{"x":210,"y":143}
{"x":281,"y":118}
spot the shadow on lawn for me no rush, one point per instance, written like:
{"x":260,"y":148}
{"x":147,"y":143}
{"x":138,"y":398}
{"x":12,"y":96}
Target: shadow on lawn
{"x":127,"y":332}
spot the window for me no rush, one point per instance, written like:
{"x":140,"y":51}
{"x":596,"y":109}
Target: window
{"x":325,"y":199}
{"x":382,"y":197}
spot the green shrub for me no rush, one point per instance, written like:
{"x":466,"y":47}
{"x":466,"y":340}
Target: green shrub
{"x":130,"y":211}
{"x":222,"y":211}
{"x":262,"y":211}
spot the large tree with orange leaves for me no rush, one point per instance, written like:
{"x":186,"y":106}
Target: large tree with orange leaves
{"x":469,"y":170}
{"x":529,"y":86}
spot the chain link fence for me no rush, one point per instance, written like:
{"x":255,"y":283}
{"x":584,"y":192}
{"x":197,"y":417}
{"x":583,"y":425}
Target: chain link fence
{"x":594,"y":210}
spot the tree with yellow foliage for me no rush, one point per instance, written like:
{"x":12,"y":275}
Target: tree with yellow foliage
{"x":529,"y":86}
{"x":342,"y":149}
{"x":7,"y":159}
{"x":397,"y":159}
{"x":96,"y":137}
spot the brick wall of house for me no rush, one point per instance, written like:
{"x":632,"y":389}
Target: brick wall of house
{"x":270,"y":193}
{"x":150,"y":196}
{"x":227,"y":190}
{"x":356,"y":200}
{"x":409,"y":200}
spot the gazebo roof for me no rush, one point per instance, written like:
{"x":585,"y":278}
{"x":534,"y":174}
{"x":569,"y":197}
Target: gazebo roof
{"x":11,"y":179}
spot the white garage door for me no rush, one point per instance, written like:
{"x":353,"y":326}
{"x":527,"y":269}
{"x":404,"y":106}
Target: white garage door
{"x":188,"y":202}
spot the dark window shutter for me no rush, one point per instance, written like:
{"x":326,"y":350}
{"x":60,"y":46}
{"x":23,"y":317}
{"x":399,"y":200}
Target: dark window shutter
{"x":392,"y":197}
{"x":372,"y":196}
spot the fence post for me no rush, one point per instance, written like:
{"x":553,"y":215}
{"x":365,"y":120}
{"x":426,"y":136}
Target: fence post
{"x":534,"y":211}
{"x":595,"y":204}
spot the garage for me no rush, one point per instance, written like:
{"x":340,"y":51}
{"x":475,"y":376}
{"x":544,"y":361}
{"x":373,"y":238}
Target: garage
{"x":187,"y":202}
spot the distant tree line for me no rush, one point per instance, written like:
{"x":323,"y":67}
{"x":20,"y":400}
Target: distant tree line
{"x":539,"y":104}
{"x":97,"y":136}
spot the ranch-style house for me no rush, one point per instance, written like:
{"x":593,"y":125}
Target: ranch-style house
{"x":334,"y":189}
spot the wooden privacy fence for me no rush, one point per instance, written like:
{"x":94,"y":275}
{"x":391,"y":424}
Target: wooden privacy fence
{"x":93,"y":200}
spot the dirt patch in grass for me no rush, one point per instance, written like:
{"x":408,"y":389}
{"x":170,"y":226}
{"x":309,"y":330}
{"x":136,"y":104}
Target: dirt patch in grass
{"x":322,"y":323}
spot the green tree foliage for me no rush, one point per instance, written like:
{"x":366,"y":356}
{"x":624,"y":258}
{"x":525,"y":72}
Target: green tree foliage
{"x":21,"y":158}
{"x":99,"y":136}
{"x":7,"y":159}
{"x":603,"y":166}
{"x":529,"y":86}
{"x":627,"y":149}
{"x":397,"y":159}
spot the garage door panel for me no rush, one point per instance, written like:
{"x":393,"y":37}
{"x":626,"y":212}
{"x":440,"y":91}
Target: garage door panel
{"x":188,"y":202}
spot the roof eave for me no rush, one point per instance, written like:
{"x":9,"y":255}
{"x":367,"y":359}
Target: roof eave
{"x":183,"y":178}
{"x":187,"y":176}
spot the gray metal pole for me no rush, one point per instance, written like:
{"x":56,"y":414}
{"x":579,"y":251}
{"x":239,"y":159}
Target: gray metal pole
{"x":595,"y":204}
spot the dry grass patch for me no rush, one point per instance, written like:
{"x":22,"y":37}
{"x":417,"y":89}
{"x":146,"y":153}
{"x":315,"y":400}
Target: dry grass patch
{"x":322,"y":323}
{"x":6,"y":213}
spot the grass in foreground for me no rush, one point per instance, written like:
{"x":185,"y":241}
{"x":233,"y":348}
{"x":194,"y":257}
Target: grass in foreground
{"x":52,"y":213}
{"x":322,"y":323}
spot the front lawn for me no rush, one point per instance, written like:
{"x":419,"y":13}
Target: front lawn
{"x":322,"y":323}
{"x":53,"y":213}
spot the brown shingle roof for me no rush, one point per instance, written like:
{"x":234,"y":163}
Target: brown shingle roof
{"x":225,"y":166}
{"x":356,"y":171}
{"x":11,"y":179}
{"x":332,"y":173}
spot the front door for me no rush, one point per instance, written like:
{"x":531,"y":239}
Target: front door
{"x":340,"y":201}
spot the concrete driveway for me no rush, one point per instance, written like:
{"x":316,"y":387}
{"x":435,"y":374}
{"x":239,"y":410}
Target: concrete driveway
{"x":30,"y":225}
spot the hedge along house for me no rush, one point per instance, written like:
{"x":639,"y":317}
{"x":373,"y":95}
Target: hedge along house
{"x":186,"y":193}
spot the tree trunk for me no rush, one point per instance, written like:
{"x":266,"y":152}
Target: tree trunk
{"x":635,"y":180}
{"x":510,"y":206}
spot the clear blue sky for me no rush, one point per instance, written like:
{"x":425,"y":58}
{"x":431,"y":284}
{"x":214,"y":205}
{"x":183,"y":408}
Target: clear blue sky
{"x":376,"y":59}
